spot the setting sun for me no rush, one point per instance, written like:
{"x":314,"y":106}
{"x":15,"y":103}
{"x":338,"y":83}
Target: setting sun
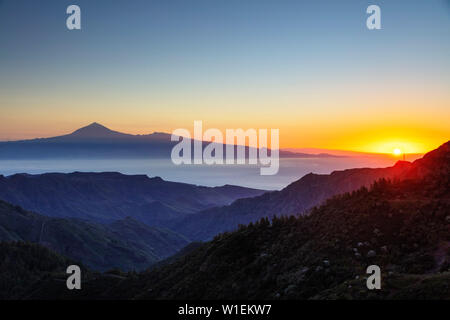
{"x":397,"y":151}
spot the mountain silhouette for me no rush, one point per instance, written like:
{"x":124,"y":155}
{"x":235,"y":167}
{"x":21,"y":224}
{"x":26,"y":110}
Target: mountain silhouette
{"x":94,"y":141}
{"x":305,"y":193}
{"x":96,"y":130}
{"x":98,"y":141}
{"x":401,"y":225}
{"x":296,"y":198}
{"x":125,"y":244}
{"x":109,"y":196}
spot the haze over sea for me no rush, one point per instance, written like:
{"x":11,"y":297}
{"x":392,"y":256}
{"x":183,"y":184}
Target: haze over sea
{"x":291,"y":169}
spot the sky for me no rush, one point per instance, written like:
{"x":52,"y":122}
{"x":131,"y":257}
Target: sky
{"x":310,"y":69}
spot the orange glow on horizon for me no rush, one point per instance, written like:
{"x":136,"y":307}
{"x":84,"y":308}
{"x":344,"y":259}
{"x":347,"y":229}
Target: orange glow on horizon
{"x":330,"y":134}
{"x":372,"y":141}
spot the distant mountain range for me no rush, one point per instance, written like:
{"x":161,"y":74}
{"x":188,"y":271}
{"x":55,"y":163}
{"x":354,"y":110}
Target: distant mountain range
{"x":97,"y":141}
{"x":92,"y":141}
{"x":301,"y":195}
{"x":105,"y":220}
{"x":25,"y":264}
{"x":401,"y":225}
{"x":106,"y":197}
{"x":198,"y":213}
{"x":110,"y":220}
{"x":126,"y":244}
{"x":297,"y":198}
{"x":347,"y":153}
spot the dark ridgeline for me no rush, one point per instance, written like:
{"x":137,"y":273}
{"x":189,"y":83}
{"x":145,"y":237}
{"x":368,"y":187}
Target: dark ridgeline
{"x":297,"y":198}
{"x":125,"y":244}
{"x":98,"y":142}
{"x":24,"y":264}
{"x":92,"y":141}
{"x":199,"y":213}
{"x":108,"y":196}
{"x":300,"y":196}
{"x":402,"y":225}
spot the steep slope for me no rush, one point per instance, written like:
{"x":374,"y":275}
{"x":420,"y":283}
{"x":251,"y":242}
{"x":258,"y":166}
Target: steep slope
{"x":126,"y":245}
{"x":109,"y":196}
{"x":160,"y":242}
{"x":94,"y":131}
{"x":296,"y":198}
{"x":92,"y":141}
{"x":22,"y":264}
{"x":403,"y":226}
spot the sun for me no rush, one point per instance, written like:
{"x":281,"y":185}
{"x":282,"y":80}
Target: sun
{"x":397,"y":152}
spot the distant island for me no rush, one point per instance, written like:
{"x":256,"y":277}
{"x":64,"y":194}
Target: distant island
{"x":99,"y":142}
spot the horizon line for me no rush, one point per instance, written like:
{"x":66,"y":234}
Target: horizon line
{"x":286,"y":149}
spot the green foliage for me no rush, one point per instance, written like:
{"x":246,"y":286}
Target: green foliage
{"x":323,"y":255}
{"x":403,"y":226}
{"x":126,"y":244}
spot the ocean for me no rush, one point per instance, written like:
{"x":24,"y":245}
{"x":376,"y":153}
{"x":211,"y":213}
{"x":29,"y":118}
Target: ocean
{"x":291,"y":169}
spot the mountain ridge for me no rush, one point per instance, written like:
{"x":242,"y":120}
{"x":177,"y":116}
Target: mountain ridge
{"x":96,"y":130}
{"x":100,"y":247}
{"x":401,"y":225}
{"x":301,"y":195}
{"x":108,"y":196}
{"x":296,"y":198}
{"x":98,"y":141}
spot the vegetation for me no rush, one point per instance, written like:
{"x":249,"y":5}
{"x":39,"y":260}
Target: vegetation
{"x":22,"y":264}
{"x":109,"y":196}
{"x":125,"y":244}
{"x":401,"y":225}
